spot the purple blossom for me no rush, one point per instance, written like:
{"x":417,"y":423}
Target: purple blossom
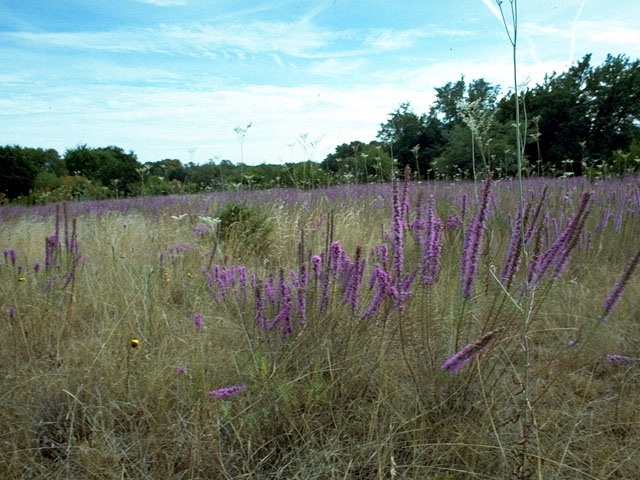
{"x":472,"y":243}
{"x":197,"y":320}
{"x":558,"y":253}
{"x":302,"y":285}
{"x":11,"y":312}
{"x":242,"y":278}
{"x":616,"y":293}
{"x":382,"y":254}
{"x":261,"y":315}
{"x":181,"y":369}
{"x":226,"y":392}
{"x":470,"y":351}
{"x":454,"y":222}
{"x":397,"y":234}
{"x":286,"y":309}
{"x":514,"y":253}
{"x":353,"y":281}
{"x":50,"y":283}
{"x":316,"y":263}
{"x":201,"y":230}
{"x":432,"y":246}
{"x":385,"y":290}
{"x":13,"y":256}
{"x":36,"y":267}
{"x":616,"y":359}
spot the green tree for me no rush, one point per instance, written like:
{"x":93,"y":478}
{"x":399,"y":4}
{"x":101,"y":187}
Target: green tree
{"x":105,"y":165}
{"x":414,"y":140}
{"x":17,"y":174}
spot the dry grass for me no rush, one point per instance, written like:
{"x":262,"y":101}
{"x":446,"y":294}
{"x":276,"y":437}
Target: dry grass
{"x":339,"y":399}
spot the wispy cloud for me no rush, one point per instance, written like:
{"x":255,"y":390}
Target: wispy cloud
{"x":574,"y":26}
{"x":495,"y":11}
{"x":199,"y":40}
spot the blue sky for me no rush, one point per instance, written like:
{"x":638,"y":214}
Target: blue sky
{"x":173,"y":78}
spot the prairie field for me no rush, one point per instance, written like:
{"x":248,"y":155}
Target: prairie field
{"x":421,"y":330}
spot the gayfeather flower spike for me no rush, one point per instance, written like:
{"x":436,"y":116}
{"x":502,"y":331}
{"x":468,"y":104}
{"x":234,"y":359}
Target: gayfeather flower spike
{"x":226,"y":392}
{"x":197,"y":320}
{"x":617,"y":359}
{"x":467,"y":354}
{"x":618,"y":289}
{"x":472,"y":244}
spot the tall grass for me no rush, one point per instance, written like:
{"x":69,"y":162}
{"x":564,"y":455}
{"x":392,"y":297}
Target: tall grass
{"x":325,"y":356}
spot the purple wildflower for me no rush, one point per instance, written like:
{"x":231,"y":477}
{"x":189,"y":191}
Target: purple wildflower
{"x":618,"y":289}
{"x":472,"y":243}
{"x":354,"y":280}
{"x":197,"y":320}
{"x":397,"y":232}
{"x":36,"y":267}
{"x":559,"y":251}
{"x":182,"y":369}
{"x":385,"y":290}
{"x":50,"y":283}
{"x":226,"y":392}
{"x":13,"y":256}
{"x":316,"y":263}
{"x":286,"y":309}
{"x":616,"y":359}
{"x":5,"y":252}
{"x":11,"y":312}
{"x":512,"y":262}
{"x":302,"y":285}
{"x":242,"y":280}
{"x":261,"y":315}
{"x":200,"y":230}
{"x":467,"y":354}
{"x":454,"y":222}
{"x":432,"y":246}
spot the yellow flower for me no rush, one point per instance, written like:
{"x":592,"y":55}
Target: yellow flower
{"x":189,"y":275}
{"x":135,"y":342}
{"x":21,"y":279}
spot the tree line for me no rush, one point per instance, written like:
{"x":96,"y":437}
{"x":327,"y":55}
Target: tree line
{"x":585,"y":121}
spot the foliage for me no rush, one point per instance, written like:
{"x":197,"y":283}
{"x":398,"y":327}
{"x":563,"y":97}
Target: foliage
{"x":246,"y":226}
{"x":17,"y":174}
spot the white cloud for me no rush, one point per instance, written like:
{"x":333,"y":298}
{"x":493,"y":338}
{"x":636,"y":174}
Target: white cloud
{"x":495,"y":11}
{"x":204,"y":40}
{"x":158,"y":123}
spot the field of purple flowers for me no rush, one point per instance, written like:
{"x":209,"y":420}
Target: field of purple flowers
{"x":405,"y":330}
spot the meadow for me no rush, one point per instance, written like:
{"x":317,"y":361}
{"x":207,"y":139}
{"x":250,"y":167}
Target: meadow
{"x":407,"y":330}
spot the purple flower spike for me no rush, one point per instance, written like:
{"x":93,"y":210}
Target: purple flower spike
{"x":472,"y":244}
{"x":616,"y":359}
{"x":197,"y":320}
{"x":36,"y":267}
{"x":618,"y":289}
{"x":467,"y":354}
{"x":226,"y":392}
{"x":11,"y":312}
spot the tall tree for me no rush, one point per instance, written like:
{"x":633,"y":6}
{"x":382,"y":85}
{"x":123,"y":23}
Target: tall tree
{"x":17,"y":174}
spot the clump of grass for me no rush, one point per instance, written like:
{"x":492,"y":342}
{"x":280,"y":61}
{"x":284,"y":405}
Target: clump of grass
{"x":245,"y":227}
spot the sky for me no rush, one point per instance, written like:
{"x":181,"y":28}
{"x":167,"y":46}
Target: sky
{"x":179,"y":78}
